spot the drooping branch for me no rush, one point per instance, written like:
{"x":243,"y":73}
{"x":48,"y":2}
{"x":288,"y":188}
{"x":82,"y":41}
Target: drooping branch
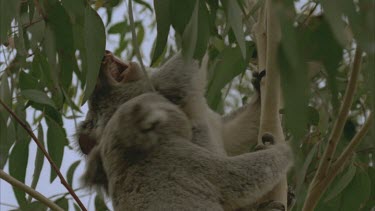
{"x":35,"y":194}
{"x":135,"y":44}
{"x":41,"y":147}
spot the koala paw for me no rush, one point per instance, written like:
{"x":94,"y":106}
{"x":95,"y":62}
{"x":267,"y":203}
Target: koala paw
{"x":267,"y":140}
{"x":271,"y":206}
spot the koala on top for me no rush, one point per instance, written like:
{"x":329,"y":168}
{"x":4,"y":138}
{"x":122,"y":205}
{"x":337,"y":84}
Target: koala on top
{"x":148,"y":161}
{"x":183,"y":83}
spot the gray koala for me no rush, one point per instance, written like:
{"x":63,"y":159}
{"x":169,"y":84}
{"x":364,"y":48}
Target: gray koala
{"x":145,"y":160}
{"x":181,"y":82}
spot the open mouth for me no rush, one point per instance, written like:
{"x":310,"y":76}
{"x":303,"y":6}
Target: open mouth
{"x":115,"y":67}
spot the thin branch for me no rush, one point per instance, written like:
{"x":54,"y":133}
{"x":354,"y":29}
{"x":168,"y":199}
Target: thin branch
{"x":41,"y":147}
{"x":135,"y":45}
{"x":308,"y":18}
{"x":320,"y":186}
{"x":341,"y":119}
{"x":35,"y":194}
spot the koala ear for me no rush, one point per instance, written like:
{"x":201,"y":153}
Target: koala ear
{"x":95,"y":174}
{"x":86,"y":143}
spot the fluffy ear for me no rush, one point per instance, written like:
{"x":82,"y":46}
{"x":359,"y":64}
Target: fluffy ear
{"x":86,"y":143}
{"x":95,"y":174}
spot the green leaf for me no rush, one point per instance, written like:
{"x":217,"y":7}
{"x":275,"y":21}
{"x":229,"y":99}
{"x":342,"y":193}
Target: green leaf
{"x":7,"y":138}
{"x":56,"y":141}
{"x":163,"y":21}
{"x":63,"y":203}
{"x":341,"y":184}
{"x":357,"y":192}
{"x":39,"y":159}
{"x":313,"y":116}
{"x":27,"y":81}
{"x":95,"y":46}
{"x":71,"y":170}
{"x":145,"y":4}
{"x":33,"y":206}
{"x":38,"y":96}
{"x":203,"y":31}
{"x":9,"y":10}
{"x":119,"y":28}
{"x":18,"y":162}
{"x":228,"y":65}
{"x":99,"y":204}
{"x":190,"y":36}
{"x":305,"y":167}
{"x":234,"y":14}
{"x":181,"y":13}
{"x":5,"y":95}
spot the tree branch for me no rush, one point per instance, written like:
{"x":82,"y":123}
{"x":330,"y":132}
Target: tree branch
{"x":341,"y":119}
{"x":135,"y":45}
{"x":40,"y":146}
{"x":268,"y":34}
{"x":326,"y":173}
{"x":35,"y":194}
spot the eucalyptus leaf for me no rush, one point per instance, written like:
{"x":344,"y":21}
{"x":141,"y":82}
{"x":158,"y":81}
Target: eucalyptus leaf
{"x":39,"y":159}
{"x":190,"y":36}
{"x":38,"y":96}
{"x":342,"y":183}
{"x":71,"y":171}
{"x":99,"y":204}
{"x":163,"y":20}
{"x":56,"y":142}
{"x":95,"y":46}
{"x":234,"y":14}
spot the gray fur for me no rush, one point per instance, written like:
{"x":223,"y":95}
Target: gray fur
{"x":150,"y":163}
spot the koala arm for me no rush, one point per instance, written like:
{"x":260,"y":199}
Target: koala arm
{"x":241,"y":127}
{"x":245,"y":178}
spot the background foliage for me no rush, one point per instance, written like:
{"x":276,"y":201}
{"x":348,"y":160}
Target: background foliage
{"x":51,"y":52}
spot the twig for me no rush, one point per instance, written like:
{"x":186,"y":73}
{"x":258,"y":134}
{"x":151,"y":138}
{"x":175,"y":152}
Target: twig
{"x":39,"y":8}
{"x":320,"y":186}
{"x":41,"y":147}
{"x":341,"y":119}
{"x":308,"y":18}
{"x":35,"y":194}
{"x":326,"y":173}
{"x":135,"y":44}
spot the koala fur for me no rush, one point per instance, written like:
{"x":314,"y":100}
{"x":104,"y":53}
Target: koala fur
{"x":181,"y":82}
{"x":212,"y":138}
{"x":148,"y":161}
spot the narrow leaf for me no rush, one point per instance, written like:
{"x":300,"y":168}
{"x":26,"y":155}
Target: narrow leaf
{"x":163,"y":25}
{"x":71,"y":170}
{"x":99,"y":204}
{"x":56,"y":141}
{"x":38,"y":97}
{"x":39,"y":159}
{"x":342,"y":183}
{"x":189,"y":38}
{"x":95,"y":46}
{"x":235,"y":21}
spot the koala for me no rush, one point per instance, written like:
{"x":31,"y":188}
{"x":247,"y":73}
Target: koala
{"x":183,"y":83}
{"x":146,"y":160}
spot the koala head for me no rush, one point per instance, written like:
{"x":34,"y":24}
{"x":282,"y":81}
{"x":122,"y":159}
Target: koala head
{"x":138,"y":126}
{"x":117,"y":83}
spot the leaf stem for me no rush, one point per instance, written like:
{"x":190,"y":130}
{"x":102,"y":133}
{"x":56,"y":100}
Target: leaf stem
{"x":135,"y":45}
{"x":41,"y":147}
{"x":35,"y":194}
